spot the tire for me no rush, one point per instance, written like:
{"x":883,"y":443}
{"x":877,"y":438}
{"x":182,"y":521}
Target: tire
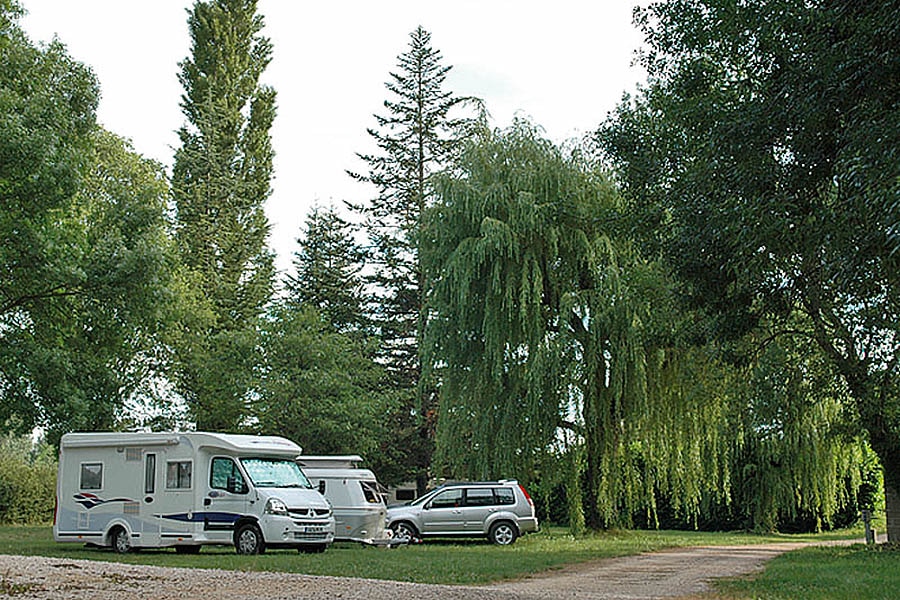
{"x":248,"y":539}
{"x":120,"y":541}
{"x":187,"y":549}
{"x":404,"y":530}
{"x":503,"y":533}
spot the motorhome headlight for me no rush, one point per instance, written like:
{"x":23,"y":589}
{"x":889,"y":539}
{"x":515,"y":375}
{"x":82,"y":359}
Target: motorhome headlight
{"x":276,"y":506}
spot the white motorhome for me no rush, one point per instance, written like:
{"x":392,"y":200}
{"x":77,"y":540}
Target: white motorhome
{"x":355,"y":495}
{"x":154,"y":490}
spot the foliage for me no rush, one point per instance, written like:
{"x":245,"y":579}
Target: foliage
{"x":415,"y":140}
{"x":563,"y":359}
{"x":322,"y":389}
{"x":221,"y":179}
{"x":327,"y":266}
{"x":85,"y":256}
{"x":544,"y":321}
{"x":27,"y":481}
{"x":762,"y":160}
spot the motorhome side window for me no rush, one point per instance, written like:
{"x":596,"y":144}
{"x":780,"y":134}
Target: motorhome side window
{"x":149,"y":473}
{"x":222,"y":470}
{"x":91,"y":476}
{"x":178,"y":474}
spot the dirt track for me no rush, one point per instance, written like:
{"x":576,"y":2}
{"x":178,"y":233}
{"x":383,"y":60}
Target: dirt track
{"x":667,"y":574}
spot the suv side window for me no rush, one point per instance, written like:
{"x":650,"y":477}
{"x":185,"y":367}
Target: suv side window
{"x":447,"y":499}
{"x":479,"y":497}
{"x":505,"y":495}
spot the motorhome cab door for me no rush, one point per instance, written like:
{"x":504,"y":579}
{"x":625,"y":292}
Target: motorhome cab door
{"x":227,"y":498}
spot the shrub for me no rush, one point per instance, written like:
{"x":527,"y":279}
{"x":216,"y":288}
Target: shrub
{"x":27,"y":482}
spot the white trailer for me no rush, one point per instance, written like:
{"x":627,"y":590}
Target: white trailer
{"x":355,"y":495}
{"x":155,"y":490}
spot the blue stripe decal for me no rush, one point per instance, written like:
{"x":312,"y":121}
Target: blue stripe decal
{"x":202,"y":517}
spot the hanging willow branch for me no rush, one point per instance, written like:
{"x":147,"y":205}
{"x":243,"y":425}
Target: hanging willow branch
{"x":544,"y":322}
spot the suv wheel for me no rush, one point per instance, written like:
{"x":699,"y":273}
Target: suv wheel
{"x":503,"y":533}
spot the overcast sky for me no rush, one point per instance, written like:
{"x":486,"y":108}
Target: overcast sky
{"x":564,"y":64}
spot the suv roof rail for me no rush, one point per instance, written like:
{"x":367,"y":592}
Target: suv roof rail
{"x":462,"y":482}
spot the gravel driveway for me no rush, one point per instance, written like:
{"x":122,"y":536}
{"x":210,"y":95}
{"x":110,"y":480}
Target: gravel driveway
{"x":666,"y":574}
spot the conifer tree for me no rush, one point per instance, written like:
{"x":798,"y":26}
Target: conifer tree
{"x":327,"y":265}
{"x":415,"y":139}
{"x":221,"y":180}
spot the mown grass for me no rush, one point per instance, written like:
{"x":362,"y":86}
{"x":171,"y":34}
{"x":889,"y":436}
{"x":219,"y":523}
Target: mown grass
{"x":442,"y":561}
{"x":817,"y":573}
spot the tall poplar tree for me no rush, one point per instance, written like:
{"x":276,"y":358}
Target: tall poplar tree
{"x":415,"y":139}
{"x":221,"y":180}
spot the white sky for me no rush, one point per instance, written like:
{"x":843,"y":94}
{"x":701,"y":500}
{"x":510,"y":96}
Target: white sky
{"x":564,"y":64}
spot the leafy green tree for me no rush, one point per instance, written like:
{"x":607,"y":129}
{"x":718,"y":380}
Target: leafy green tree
{"x":85,"y":258}
{"x":566,"y":359}
{"x":549,"y":330}
{"x":327,"y":268}
{"x":762,"y":157}
{"x":415,"y":139}
{"x":221,"y":180}
{"x":323,"y":389}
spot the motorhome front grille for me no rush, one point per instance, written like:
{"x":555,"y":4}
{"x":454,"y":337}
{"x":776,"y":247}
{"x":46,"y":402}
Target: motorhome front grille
{"x":299,"y":513}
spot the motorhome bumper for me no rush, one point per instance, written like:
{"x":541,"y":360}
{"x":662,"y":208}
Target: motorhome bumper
{"x":285,"y":530}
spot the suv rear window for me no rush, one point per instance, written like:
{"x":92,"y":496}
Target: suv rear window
{"x":479,"y":497}
{"x":504,"y":495}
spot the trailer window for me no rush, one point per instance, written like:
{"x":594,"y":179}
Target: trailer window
{"x":178,"y":474}
{"x":370,"y":493}
{"x":91,"y":476}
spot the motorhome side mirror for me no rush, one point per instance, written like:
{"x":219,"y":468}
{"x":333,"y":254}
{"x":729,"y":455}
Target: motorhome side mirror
{"x":322,"y":486}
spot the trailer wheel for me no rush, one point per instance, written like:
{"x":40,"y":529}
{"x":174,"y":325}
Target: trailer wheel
{"x":248,"y":539}
{"x":120,"y":541}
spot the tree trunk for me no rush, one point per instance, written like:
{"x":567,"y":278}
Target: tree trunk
{"x":892,"y":512}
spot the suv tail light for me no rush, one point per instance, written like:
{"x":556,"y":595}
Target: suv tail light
{"x":527,"y":496}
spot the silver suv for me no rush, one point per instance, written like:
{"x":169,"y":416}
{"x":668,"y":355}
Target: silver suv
{"x":500,"y":510}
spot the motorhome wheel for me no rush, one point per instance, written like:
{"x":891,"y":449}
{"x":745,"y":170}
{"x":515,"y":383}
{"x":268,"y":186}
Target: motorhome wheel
{"x":248,"y":539}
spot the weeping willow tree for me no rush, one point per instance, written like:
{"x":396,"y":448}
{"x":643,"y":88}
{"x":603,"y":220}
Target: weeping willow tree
{"x":551,"y":337}
{"x":556,"y":348}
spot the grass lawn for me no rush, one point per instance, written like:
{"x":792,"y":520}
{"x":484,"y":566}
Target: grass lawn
{"x":835,"y":573}
{"x":451,"y":562}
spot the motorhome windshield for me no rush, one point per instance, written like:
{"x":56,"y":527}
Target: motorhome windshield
{"x":275,"y":472}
